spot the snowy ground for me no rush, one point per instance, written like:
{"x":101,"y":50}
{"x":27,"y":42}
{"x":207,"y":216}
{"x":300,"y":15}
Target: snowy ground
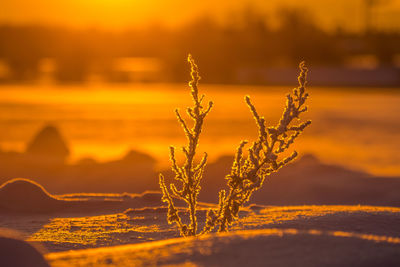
{"x":131,"y":230}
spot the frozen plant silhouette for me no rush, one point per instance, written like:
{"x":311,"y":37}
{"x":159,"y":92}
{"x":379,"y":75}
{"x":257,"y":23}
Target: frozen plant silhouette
{"x":248,"y":172}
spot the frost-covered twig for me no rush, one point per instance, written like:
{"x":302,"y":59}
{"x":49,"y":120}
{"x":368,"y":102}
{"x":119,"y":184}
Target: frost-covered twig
{"x":190,"y":174}
{"x":263,"y":157}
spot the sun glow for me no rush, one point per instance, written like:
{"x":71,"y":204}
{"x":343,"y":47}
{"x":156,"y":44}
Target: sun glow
{"x":125,"y":13}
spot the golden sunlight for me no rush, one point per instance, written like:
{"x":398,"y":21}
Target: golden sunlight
{"x":199,"y":133}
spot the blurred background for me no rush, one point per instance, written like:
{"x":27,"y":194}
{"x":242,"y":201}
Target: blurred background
{"x":240,"y":42}
{"x":88,"y":88}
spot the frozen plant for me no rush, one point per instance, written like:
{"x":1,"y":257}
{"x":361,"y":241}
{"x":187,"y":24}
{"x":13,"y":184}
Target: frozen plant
{"x":248,"y":172}
{"x":190,"y":174}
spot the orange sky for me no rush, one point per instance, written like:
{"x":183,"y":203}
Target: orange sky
{"x":125,"y":13}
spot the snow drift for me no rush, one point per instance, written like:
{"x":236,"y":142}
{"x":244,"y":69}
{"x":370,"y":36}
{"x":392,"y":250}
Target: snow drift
{"x":24,"y":195}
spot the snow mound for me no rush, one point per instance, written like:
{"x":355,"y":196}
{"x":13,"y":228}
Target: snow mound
{"x":18,"y":253}
{"x":24,"y":195}
{"x":48,"y":143}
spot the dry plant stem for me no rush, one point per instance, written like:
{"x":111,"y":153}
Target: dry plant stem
{"x":248,"y":174}
{"x":190,"y":174}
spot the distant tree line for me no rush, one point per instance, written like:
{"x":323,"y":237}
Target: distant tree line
{"x":220,"y":49}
